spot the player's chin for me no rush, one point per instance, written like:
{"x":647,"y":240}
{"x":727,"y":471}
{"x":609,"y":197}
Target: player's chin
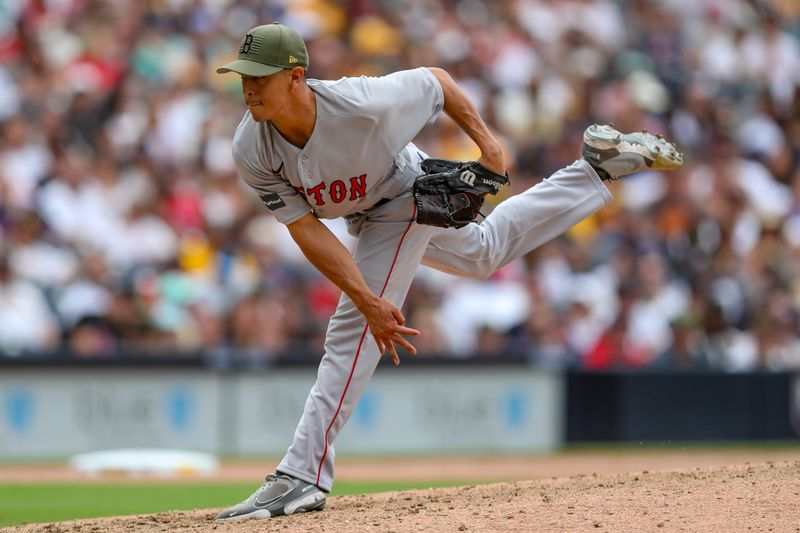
{"x":259,"y":113}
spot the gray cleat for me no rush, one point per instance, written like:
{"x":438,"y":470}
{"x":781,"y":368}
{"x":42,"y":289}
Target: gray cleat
{"x":614,"y":154}
{"x":279,"y":495}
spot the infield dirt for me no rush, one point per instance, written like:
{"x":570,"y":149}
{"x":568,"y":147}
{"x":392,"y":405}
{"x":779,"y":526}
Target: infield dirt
{"x":742,"y":497}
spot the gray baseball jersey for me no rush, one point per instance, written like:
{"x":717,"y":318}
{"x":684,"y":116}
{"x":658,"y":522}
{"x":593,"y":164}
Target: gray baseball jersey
{"x":359,"y":154}
{"x":374,"y":118}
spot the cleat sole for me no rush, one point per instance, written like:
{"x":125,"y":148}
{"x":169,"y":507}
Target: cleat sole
{"x":659,"y":153}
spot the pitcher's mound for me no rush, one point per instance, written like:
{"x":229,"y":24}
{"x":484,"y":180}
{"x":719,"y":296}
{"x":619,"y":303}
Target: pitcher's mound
{"x":758,"y":497}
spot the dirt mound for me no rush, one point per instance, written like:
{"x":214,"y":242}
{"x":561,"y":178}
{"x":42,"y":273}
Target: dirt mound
{"x":757,"y":497}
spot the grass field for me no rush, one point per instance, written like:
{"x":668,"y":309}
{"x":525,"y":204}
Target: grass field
{"x":20,"y":503}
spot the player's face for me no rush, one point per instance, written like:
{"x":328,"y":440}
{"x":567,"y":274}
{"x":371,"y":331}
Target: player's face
{"x":266,"y":95}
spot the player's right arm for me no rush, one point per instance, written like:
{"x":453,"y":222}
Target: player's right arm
{"x":329,"y":256}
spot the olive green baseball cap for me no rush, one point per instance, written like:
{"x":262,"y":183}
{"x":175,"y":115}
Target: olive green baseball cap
{"x":268,"y":49}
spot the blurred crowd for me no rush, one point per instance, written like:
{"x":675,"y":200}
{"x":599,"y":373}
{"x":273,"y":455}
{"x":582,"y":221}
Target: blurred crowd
{"x":124,"y":228}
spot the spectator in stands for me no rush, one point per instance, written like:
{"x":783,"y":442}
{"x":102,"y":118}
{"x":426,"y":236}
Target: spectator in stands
{"x":27,"y":324}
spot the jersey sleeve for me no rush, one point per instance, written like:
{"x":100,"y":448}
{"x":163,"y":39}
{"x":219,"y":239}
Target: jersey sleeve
{"x":278,"y":195}
{"x":403,"y":103}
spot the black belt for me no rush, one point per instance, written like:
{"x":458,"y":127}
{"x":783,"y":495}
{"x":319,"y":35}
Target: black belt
{"x":376,"y":204}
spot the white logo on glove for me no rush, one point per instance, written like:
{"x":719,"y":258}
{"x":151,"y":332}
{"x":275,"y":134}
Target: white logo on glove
{"x":468,"y":177}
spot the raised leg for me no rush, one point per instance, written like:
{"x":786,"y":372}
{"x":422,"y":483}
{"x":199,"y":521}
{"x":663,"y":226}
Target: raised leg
{"x":519,"y":224}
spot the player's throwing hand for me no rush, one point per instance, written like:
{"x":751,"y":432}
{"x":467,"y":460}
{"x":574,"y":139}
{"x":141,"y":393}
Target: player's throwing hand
{"x":387,"y":325}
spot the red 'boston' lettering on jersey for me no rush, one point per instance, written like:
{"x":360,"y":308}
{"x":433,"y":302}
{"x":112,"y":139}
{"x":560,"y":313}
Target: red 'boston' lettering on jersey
{"x":358,"y":186}
{"x":317,"y":192}
{"x":338,"y":191}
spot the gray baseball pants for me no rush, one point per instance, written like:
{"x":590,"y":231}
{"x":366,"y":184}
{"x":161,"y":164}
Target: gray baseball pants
{"x":390,"y":248}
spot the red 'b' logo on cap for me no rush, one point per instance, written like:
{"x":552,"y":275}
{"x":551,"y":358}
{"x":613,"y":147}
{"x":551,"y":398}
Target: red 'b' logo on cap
{"x":247,"y":44}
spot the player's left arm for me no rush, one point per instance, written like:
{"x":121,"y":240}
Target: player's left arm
{"x":459,"y":107}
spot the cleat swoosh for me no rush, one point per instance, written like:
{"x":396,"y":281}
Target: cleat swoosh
{"x":259,"y":503}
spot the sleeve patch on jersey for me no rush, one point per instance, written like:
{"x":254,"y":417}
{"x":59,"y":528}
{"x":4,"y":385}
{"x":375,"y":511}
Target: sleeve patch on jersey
{"x":272,"y":201}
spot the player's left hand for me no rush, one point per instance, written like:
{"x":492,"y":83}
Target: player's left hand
{"x":492,"y":159}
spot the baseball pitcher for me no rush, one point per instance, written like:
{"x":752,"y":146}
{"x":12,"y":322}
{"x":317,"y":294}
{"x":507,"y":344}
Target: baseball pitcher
{"x":316,"y":149}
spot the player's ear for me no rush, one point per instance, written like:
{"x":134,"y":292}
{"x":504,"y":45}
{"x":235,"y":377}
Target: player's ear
{"x":297,"y":74}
